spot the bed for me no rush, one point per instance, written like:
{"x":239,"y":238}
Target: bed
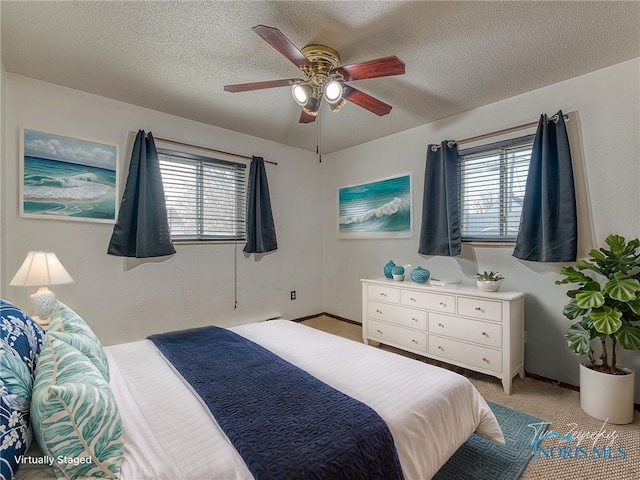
{"x":168,"y":433}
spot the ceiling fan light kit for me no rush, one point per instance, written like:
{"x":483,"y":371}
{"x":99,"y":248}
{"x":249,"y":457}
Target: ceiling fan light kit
{"x":312,"y":107}
{"x":301,"y":93}
{"x":333,"y":91}
{"x":325,"y":77}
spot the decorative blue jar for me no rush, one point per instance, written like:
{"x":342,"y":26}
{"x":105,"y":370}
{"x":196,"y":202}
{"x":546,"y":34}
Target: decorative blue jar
{"x":397,"y":270}
{"x":420,"y":275}
{"x":387,"y":269}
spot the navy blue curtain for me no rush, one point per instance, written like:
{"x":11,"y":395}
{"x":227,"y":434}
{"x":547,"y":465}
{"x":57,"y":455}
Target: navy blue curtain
{"x":142,"y":229}
{"x":440,"y":230}
{"x":549,"y":226}
{"x":261,"y":230}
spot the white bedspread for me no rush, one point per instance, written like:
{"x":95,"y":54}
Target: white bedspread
{"x":169,"y":434}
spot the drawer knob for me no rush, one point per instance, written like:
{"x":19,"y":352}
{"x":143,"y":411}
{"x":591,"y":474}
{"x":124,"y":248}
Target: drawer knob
{"x":485,"y":334}
{"x":379,"y":331}
{"x":412,"y":299}
{"x":414,"y":319}
{"x":379,"y":311}
{"x":440,"y":325}
{"x":414,"y":341}
{"x":440,"y":348}
{"x":382,"y":294}
{"x":442,"y":304}
{"x":479,"y":309}
{"x":485,"y":360}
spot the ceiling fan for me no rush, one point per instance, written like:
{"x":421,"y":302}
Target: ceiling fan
{"x":325,"y":77}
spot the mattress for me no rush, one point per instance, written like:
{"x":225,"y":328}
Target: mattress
{"x":169,"y":433}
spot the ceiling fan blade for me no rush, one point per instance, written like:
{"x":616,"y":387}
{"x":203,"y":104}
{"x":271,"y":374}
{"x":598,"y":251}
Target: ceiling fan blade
{"x":282,"y":44}
{"x":306,"y":118}
{"x":381,"y":67}
{"x":246,"y":87}
{"x":366,"y":101}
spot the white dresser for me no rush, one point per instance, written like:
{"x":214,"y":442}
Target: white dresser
{"x":481,"y":331}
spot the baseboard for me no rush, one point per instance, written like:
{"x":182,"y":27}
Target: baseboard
{"x":342,"y":319}
{"x":337,"y":317}
{"x":636,"y":406}
{"x":552,"y":381}
{"x":302,"y":319}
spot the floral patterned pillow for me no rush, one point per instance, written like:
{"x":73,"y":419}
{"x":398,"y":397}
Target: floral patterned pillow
{"x":88,"y":347}
{"x":20,"y":343}
{"x":65,"y":320}
{"x":75,"y":415}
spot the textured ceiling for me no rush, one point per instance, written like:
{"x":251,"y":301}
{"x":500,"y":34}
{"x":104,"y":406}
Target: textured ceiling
{"x":175,"y":57}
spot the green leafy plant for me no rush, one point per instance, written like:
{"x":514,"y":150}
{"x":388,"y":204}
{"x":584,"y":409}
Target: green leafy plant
{"x":606,"y":304}
{"x":489,"y":276}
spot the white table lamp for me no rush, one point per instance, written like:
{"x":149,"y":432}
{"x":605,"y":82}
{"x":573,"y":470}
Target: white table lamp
{"x":41,"y":269}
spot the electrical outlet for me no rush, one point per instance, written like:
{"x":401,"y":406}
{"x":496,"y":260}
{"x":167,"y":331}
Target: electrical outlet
{"x":293,"y":294}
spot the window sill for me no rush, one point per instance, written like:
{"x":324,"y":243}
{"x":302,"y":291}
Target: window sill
{"x":478,"y":243}
{"x":208,"y":242}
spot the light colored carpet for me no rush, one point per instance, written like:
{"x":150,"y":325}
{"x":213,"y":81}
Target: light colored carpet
{"x":557,"y":405}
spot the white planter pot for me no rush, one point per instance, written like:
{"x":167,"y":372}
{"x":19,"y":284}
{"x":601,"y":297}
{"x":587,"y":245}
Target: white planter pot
{"x":488,"y":285}
{"x":607,"y":397}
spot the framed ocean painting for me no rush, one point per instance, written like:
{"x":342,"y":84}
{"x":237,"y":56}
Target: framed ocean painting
{"x":67,"y":178}
{"x":380,"y":209}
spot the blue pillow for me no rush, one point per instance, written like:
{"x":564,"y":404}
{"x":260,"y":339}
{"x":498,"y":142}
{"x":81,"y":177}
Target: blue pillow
{"x":20,"y":342}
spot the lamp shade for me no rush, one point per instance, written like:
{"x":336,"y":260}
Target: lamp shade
{"x":41,"y":269}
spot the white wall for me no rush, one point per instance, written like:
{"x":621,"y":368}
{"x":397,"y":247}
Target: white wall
{"x":2,"y":168}
{"x":605,"y":135}
{"x":2,"y":154}
{"x":196,"y":286}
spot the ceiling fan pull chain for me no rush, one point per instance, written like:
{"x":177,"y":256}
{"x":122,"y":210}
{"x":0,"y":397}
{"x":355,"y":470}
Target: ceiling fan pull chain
{"x":319,"y":137}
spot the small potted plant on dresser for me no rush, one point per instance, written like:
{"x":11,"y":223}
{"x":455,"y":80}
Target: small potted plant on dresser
{"x":489,"y":281}
{"x":606,"y":305}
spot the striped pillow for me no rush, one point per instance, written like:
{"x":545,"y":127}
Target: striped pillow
{"x":74,"y":414}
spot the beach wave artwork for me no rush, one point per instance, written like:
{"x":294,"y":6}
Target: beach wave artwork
{"x":377,"y":208}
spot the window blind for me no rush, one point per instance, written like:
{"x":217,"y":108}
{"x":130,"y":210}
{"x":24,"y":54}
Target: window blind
{"x":205,"y":197}
{"x":492,"y":180}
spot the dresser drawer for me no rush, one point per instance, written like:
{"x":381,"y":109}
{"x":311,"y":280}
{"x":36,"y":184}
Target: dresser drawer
{"x":382,"y":293}
{"x":478,"y":308}
{"x":430,"y":301}
{"x":400,"y":336}
{"x":484,"y":333}
{"x":472,"y":355}
{"x":404,"y":316}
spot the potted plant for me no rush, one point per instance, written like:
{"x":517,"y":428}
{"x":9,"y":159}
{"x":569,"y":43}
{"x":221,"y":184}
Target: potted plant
{"x":489,"y":281}
{"x":606,"y":307}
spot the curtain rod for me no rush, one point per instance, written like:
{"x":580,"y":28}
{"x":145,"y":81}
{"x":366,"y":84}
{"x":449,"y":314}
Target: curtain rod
{"x":553,"y":118}
{"x":238,"y":155}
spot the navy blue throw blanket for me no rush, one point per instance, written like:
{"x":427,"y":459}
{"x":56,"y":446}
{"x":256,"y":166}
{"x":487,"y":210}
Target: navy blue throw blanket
{"x":285,"y":423}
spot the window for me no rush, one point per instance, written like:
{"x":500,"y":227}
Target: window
{"x":492,"y":180}
{"x":205,"y":197}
